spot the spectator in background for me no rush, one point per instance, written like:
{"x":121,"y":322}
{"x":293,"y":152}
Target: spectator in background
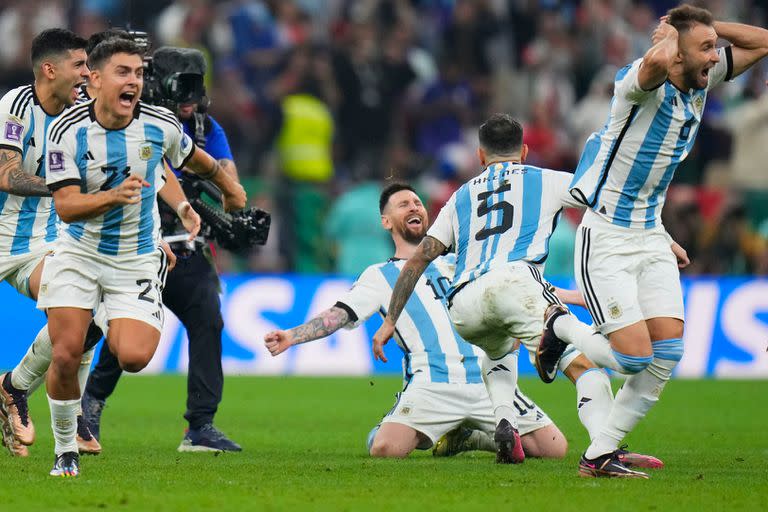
{"x":445,"y":111}
{"x":304,"y":93}
{"x":591,"y":112}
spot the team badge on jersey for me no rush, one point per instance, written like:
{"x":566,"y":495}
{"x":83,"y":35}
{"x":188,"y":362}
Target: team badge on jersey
{"x":55,"y":161}
{"x":145,"y":151}
{"x":698,"y":104}
{"x":13,"y":131}
{"x":614,"y":310}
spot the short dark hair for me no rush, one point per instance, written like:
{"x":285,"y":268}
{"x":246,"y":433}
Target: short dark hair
{"x":501,"y":134}
{"x":54,"y":41}
{"x":109,"y":47}
{"x":391,"y":190}
{"x":110,"y":33}
{"x":684,"y":16}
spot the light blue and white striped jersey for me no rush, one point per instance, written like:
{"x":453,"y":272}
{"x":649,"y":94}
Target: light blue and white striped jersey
{"x":26,"y":223}
{"x":82,"y":152}
{"x":505,"y":214}
{"x":625,"y":169}
{"x":433,"y":350}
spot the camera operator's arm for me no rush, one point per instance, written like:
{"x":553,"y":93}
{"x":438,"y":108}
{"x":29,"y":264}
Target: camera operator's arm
{"x":173,"y":195}
{"x":203,"y":164}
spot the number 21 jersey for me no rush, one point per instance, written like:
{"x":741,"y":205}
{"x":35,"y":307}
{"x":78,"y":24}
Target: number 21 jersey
{"x":505,"y":214}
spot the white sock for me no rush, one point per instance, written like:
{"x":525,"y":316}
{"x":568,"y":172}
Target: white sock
{"x":594,"y":400}
{"x":500,"y":377}
{"x":64,"y":424}
{"x":592,"y":344}
{"x":35,"y":363}
{"x":633,"y":401}
{"x":85,"y":369}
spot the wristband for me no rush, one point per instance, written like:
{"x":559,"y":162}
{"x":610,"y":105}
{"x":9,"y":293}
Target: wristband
{"x":182,"y":204}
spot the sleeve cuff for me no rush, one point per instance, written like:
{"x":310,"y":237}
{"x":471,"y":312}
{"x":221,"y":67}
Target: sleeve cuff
{"x":352,"y":314}
{"x":9,"y":146}
{"x":728,"y":63}
{"x":186,"y":158}
{"x":53,"y":187}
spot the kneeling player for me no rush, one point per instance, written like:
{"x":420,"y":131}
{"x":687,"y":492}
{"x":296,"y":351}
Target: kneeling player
{"x":443,"y":383}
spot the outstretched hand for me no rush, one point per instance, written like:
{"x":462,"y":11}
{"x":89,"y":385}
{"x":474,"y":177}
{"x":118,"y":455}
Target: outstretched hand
{"x":381,"y":338}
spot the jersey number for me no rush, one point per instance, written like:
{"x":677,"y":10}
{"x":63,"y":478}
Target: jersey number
{"x":439,"y":286}
{"x":114,"y":177}
{"x":507,"y":212}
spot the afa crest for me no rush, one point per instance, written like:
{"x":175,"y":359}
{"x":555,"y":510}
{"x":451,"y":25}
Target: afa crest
{"x":614,"y":310}
{"x":698,"y":104}
{"x":145,"y":151}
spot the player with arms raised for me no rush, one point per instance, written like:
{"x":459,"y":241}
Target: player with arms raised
{"x":103,"y":165}
{"x":623,"y":264}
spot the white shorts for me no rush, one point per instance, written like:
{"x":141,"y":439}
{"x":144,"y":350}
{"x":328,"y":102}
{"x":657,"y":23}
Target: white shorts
{"x":16,"y":270}
{"x":437,"y":408}
{"x":626,"y":276}
{"x":502,"y":306}
{"x":130,"y":287}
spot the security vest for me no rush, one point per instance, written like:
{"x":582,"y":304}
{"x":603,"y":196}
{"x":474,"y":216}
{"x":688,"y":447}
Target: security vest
{"x":304,"y":142}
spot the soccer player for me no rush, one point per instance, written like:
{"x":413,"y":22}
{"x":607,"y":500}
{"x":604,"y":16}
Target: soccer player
{"x":623,"y":265}
{"x":443,"y":385}
{"x":103,"y":164}
{"x":50,"y":50}
{"x":28,"y":222}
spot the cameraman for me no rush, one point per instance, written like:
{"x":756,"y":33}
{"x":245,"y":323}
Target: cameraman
{"x":192,"y":290}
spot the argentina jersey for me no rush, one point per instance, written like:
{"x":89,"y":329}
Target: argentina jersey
{"x":26,"y":223}
{"x":625,"y":169}
{"x":433,"y":350}
{"x":81,"y":152}
{"x":505,"y":214}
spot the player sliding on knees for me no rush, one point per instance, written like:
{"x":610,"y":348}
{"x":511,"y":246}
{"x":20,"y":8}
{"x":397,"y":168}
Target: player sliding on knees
{"x":110,"y":249}
{"x":444,"y":402}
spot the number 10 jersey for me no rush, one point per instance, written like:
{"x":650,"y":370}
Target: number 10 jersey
{"x":505,"y":214}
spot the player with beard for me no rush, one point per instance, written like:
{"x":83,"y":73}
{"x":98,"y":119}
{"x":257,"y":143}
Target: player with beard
{"x":624,"y":268}
{"x":443,"y":386}
{"x":104,"y":166}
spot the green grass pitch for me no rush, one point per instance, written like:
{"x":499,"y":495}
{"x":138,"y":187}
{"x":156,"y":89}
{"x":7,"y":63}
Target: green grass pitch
{"x":304,"y":442}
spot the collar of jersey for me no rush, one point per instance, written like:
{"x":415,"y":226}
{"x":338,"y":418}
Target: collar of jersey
{"x":92,"y":114}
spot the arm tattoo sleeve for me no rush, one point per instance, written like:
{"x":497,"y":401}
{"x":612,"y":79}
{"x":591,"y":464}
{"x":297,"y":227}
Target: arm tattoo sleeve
{"x":228,"y":166}
{"x":15,"y":181}
{"x":327,"y":322}
{"x":429,"y":249}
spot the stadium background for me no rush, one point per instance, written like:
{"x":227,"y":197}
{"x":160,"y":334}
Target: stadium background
{"x":396,"y":89}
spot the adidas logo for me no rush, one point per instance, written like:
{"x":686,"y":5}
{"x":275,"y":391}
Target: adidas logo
{"x":603,"y":210}
{"x":32,"y":142}
{"x":498,"y":368}
{"x":583,"y":401}
{"x":674,"y":100}
{"x":539,"y":415}
{"x":88,"y":155}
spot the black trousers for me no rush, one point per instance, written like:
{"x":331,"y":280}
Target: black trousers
{"x":192,"y":294}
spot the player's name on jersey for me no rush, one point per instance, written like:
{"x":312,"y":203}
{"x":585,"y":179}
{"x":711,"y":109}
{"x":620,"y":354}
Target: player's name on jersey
{"x":500,"y":175}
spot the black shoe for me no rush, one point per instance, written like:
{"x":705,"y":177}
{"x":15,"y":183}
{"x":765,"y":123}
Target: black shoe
{"x":551,"y":347}
{"x":66,"y":465}
{"x":509,"y":449}
{"x":207,"y":439}
{"x":607,"y":465}
{"x":92,"y":409}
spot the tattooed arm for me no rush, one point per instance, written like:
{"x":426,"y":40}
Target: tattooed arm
{"x":15,"y":181}
{"x":429,"y":249}
{"x":324,"y":324}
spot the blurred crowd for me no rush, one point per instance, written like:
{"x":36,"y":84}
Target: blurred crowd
{"x":325,"y":101}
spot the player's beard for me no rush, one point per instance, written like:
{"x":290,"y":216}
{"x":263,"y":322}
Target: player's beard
{"x":411,"y":236}
{"x":691,"y":78}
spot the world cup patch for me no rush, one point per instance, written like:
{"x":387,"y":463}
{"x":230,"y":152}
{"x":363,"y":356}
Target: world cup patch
{"x":55,"y":161}
{"x":13,"y":131}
